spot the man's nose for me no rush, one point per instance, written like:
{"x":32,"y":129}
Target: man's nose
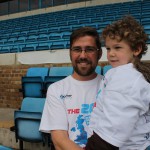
{"x":83,"y":53}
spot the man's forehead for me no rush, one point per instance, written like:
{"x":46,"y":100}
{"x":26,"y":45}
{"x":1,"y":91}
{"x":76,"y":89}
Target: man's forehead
{"x":84,"y":40}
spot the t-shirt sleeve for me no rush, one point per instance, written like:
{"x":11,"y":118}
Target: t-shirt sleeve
{"x":54,"y":113}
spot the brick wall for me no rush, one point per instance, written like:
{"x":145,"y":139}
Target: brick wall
{"x":10,"y":83}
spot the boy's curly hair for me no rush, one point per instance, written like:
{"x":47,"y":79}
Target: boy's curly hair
{"x":132,"y":32}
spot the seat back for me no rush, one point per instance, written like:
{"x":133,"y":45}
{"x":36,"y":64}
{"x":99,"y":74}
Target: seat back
{"x":27,"y":121}
{"x":32,"y":86}
{"x":98,"y":70}
{"x":37,"y":71}
{"x":27,"y":126}
{"x":33,"y":104}
{"x":61,"y":71}
{"x":32,"y":83}
{"x":4,"y":148}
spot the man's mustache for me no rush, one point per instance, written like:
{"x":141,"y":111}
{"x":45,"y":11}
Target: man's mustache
{"x":83,"y":61}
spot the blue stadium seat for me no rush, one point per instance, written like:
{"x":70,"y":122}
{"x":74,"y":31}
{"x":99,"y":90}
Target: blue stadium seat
{"x":61,"y":71}
{"x":2,"y":41}
{"x":37,"y":71}
{"x":15,"y":49}
{"x":66,"y":35}
{"x":14,"y":35}
{"x":147,"y":28}
{"x":10,"y":41}
{"x":42,"y":37}
{"x":145,"y":21}
{"x":73,"y":22}
{"x":21,"y":39}
{"x":84,"y":21}
{"x":43,"y":31}
{"x":56,"y":74}
{"x":30,"y":47}
{"x":53,"y":29}
{"x":62,"y":23}
{"x":65,"y":28}
{"x":31,"y":104}
{"x":32,"y":32}
{"x":5,"y":49}
{"x":32,"y":38}
{"x":55,"y":36}
{"x":44,"y":25}
{"x":5,"y":148}
{"x":74,"y":27}
{"x":97,"y":19}
{"x":93,"y":25}
{"x":58,"y":45}
{"x":44,"y":46}
{"x":105,"y":69}
{"x":98,"y":70}
{"x":27,"y":121}
{"x":32,"y":83}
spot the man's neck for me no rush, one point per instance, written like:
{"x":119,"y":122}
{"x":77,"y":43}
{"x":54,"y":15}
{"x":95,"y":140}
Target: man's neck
{"x":84,"y":78}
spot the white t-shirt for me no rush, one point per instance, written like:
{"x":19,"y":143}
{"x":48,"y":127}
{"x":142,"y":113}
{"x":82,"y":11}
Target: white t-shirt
{"x":68,"y":106}
{"x":122,"y":114}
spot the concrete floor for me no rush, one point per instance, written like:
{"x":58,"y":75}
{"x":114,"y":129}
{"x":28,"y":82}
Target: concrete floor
{"x":6,"y":114}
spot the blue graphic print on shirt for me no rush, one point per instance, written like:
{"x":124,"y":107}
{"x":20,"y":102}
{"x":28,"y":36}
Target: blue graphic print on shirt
{"x":82,"y":121}
{"x":82,"y":136}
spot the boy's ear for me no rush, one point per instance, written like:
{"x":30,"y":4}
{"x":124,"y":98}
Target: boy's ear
{"x":137,"y":51}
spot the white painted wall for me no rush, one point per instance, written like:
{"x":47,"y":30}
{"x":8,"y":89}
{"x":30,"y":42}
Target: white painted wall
{"x":43,"y":57}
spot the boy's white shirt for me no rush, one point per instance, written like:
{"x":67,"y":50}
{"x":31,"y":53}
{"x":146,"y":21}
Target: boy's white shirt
{"x":122,"y":116}
{"x":68,"y":106}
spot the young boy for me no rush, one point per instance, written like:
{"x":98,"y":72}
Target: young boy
{"x":121,"y":119}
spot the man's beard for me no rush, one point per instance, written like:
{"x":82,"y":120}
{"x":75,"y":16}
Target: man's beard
{"x":83,"y":71}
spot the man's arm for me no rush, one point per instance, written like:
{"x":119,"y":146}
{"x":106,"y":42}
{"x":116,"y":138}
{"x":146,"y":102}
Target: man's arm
{"x":62,"y":142}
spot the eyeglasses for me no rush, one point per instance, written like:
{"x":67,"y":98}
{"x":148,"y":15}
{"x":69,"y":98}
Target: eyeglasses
{"x":87,"y":50}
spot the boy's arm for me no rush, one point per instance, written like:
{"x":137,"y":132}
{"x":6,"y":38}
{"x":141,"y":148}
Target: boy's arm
{"x":61,"y":141}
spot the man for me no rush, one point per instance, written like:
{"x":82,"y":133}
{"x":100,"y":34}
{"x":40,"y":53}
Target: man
{"x":70,"y":101}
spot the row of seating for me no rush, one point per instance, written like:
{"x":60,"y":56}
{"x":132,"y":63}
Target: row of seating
{"x":103,"y":10}
{"x":52,"y":30}
{"x":37,"y":80}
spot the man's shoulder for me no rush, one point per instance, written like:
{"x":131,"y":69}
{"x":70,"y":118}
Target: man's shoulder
{"x":62,"y":81}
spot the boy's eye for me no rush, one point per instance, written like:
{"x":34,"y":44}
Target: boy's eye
{"x":107,"y":48}
{"x":118,"y":47}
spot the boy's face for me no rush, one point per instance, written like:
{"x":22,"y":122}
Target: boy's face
{"x":118,"y":52}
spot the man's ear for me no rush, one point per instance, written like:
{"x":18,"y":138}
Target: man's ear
{"x":137,"y":51}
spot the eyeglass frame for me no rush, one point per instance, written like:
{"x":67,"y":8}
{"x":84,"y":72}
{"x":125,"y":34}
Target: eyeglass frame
{"x":78,"y":49}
